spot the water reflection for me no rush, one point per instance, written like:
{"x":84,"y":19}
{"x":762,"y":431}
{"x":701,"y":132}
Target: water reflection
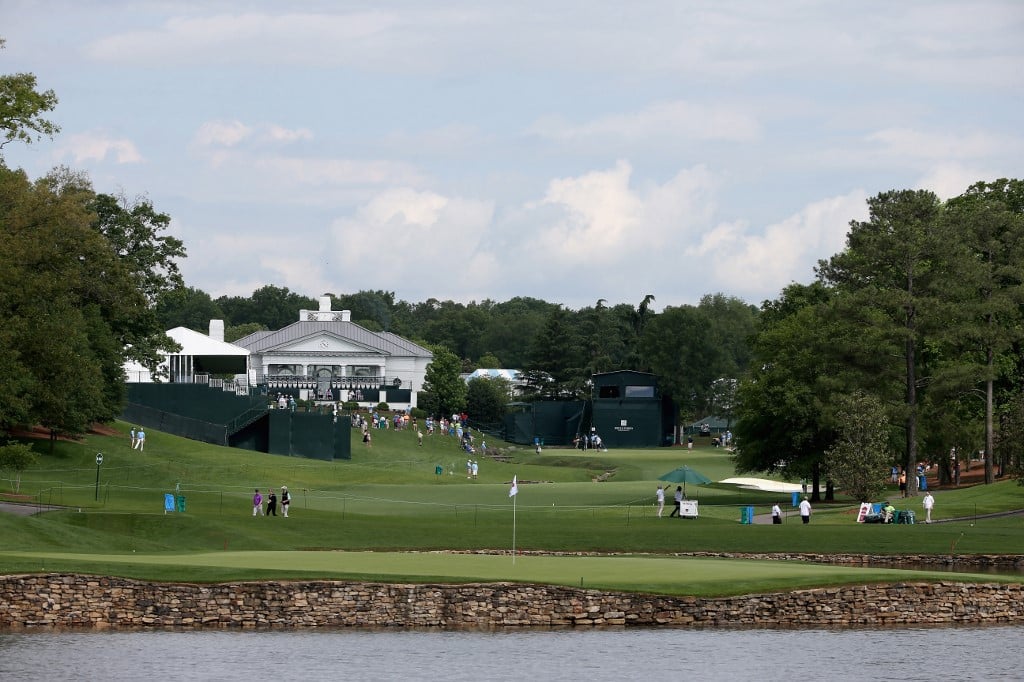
{"x":990,"y":653}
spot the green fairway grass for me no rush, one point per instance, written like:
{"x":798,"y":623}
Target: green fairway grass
{"x":388,"y":498}
{"x":659,"y":575}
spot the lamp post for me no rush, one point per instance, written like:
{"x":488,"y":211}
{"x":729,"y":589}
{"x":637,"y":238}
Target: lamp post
{"x":99,"y":461}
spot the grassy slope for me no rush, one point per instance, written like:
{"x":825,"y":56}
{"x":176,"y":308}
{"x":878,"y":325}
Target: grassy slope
{"x":389,"y":498}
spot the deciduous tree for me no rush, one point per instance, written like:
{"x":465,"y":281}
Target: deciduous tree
{"x":783,"y":424}
{"x":860,"y":457}
{"x":187,"y":307}
{"x":14,"y":459}
{"x":444,"y":391}
{"x":487,"y":399}
{"x":23,"y":108}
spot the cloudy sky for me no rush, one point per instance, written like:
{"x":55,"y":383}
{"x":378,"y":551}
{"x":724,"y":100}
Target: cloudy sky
{"x":567,"y":150}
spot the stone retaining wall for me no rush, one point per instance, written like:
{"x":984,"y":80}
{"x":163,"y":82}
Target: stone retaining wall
{"x":71,"y":601}
{"x":963,"y":563}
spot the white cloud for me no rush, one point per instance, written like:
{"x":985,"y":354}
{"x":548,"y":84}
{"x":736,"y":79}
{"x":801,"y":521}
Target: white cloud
{"x":406,"y":121}
{"x":756,"y":263}
{"x":226,"y":134}
{"x":96,"y":146}
{"x":281,"y":134}
{"x":610,"y":239}
{"x":294,"y":171}
{"x":679,"y":119}
{"x":424,"y":236}
{"x":246,"y":38}
{"x":952,"y":179}
{"x":906,"y":143}
{"x":600,"y":218}
{"x":222,"y":134}
{"x":454,"y":139}
{"x":599,"y":214}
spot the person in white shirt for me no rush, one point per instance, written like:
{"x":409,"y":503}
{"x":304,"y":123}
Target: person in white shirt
{"x":929,"y":503}
{"x":776,"y":514}
{"x":805,"y":511}
{"x":660,"y":497}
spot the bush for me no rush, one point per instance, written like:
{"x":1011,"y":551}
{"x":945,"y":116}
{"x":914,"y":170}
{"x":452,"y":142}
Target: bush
{"x":417,"y":413}
{"x":383,"y":407}
{"x":350,"y":406}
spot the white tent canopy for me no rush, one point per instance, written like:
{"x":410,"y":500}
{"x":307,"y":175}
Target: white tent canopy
{"x":199,"y":354}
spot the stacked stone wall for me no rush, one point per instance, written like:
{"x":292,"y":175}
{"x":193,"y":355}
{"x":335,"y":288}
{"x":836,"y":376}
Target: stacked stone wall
{"x":58,"y":601}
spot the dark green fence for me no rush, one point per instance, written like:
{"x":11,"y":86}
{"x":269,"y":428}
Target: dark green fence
{"x":211,"y":415}
{"x":309,"y":434}
{"x":553,"y":422}
{"x":186,"y":427}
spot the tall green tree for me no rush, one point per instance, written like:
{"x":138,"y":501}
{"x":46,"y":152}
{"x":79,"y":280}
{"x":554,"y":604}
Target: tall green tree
{"x":187,"y":307}
{"x":892,"y":282}
{"x":66,"y":301}
{"x":238,"y":331}
{"x":271,"y":306}
{"x":731,"y":323}
{"x":677,"y":346}
{"x":555,"y":369}
{"x":486,"y":399}
{"x":782,"y":403}
{"x":511,"y":327}
{"x":370,"y":309}
{"x":23,"y":108}
{"x":988,"y":220}
{"x":1010,"y":444}
{"x":135,"y":230}
{"x":15,"y":378}
{"x":444,"y":391}
{"x":606,"y":340}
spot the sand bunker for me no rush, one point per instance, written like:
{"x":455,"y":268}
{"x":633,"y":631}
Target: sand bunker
{"x":765,"y":484}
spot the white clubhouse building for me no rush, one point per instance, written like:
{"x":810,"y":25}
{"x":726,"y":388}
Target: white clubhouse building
{"x":324,"y":355}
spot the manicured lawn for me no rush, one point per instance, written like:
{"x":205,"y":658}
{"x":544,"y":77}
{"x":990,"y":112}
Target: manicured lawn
{"x":661,"y":575}
{"x":389,"y":497}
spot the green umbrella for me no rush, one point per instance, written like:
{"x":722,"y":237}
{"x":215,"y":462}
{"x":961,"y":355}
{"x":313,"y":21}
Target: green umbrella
{"x":684,"y":475}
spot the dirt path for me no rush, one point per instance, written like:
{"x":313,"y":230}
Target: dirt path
{"x":25,"y":509}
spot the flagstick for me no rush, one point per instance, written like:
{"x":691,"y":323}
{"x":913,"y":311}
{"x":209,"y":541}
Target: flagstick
{"x":514,"y":529}
{"x":513,"y":493}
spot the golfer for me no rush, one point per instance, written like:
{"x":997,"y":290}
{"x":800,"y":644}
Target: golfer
{"x":776,"y":514}
{"x":660,"y":497}
{"x":805,"y":511}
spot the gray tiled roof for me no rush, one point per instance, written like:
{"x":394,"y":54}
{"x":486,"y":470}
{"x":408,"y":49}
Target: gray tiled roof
{"x":383,"y":342}
{"x":252,"y":338}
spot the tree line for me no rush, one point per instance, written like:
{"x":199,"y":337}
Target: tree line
{"x":915,"y":328}
{"x":558,"y":349}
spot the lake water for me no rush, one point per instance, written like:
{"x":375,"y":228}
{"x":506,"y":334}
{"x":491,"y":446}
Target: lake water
{"x":926,"y":654}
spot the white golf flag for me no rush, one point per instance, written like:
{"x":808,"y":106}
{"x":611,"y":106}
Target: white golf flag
{"x":515,"y":488}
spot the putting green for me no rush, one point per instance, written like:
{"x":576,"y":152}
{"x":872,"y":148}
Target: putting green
{"x":656,"y":574}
